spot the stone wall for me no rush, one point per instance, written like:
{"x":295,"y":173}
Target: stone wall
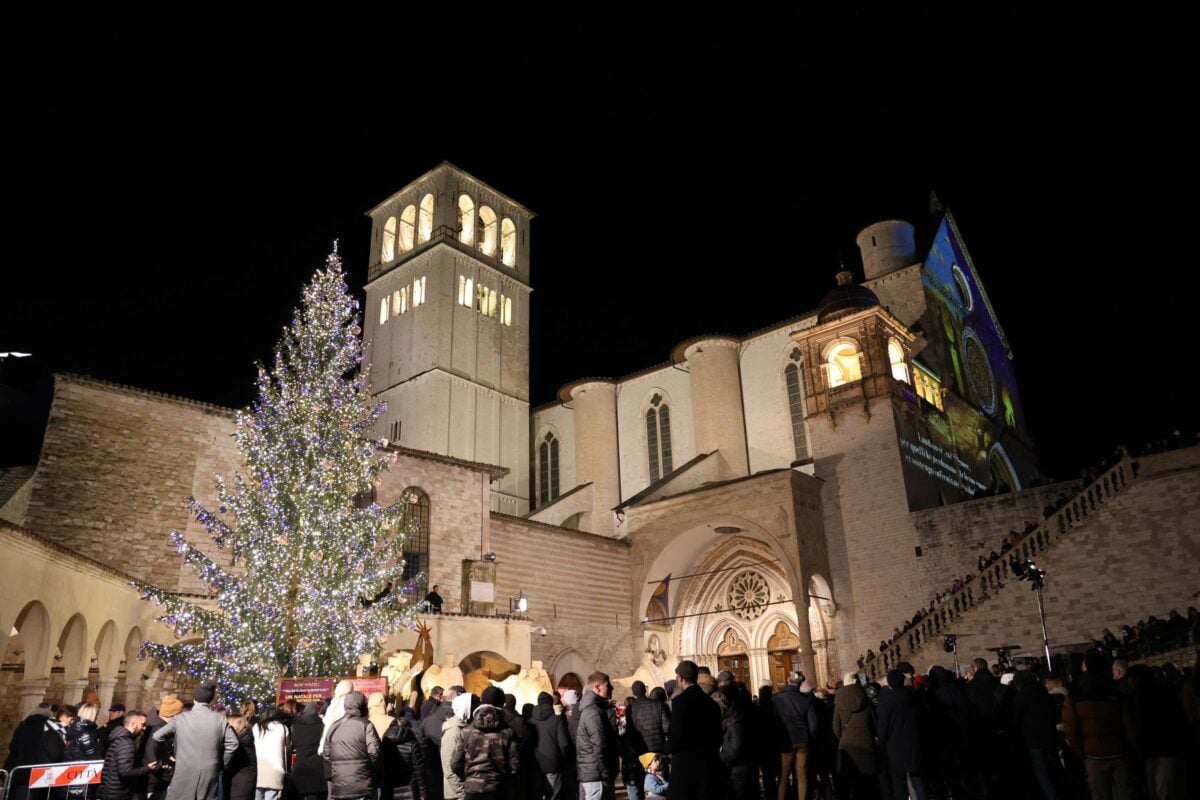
{"x":577,"y":585}
{"x":1132,"y":559}
{"x":116,"y":469}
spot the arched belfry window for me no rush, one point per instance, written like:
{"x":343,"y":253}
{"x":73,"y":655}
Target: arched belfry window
{"x":415,"y":521}
{"x":389,"y":240}
{"x":425,"y":219}
{"x":487,"y":231}
{"x":548,"y":470}
{"x":508,"y":242}
{"x":842,"y":362}
{"x":408,"y":228}
{"x":896,"y":357}
{"x":795,"y":394}
{"x":466,"y":219}
{"x":658,"y":437}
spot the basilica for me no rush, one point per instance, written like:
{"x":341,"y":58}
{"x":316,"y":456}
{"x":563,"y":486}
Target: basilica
{"x":790,"y":498}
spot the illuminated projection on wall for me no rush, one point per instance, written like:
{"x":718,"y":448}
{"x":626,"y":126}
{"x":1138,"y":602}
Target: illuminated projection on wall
{"x":964,"y":437}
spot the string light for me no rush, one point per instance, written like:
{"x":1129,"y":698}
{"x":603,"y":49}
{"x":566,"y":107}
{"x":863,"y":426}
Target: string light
{"x":310,"y":577}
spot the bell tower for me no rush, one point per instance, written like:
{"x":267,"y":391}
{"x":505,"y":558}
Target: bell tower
{"x":447,"y":324}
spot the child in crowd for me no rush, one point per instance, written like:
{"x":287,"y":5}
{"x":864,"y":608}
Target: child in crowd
{"x":655,"y":786}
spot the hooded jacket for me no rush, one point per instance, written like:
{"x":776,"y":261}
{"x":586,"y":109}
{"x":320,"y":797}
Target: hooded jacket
{"x":486,"y":757}
{"x":855,"y":730}
{"x":650,"y":720}
{"x":352,"y":750}
{"x":595,"y":740}
{"x":308,"y":774}
{"x":452,"y":733}
{"x":553,"y":741}
{"x":83,"y":740}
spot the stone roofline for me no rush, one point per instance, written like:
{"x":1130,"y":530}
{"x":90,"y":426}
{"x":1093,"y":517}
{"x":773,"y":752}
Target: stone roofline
{"x":443,"y":166}
{"x":149,"y":394}
{"x":545,"y":526}
{"x":494,"y":470}
{"x":564,"y":391}
{"x":96,"y":566}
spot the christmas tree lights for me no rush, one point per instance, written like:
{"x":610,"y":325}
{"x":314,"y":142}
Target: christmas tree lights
{"x":307,"y":570}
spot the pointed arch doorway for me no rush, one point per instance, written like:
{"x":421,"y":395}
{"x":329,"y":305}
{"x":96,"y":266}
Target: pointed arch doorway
{"x":783,"y":653}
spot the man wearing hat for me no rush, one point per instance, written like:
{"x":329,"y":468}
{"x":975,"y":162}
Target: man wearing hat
{"x":204,"y":743}
{"x":116,"y":719}
{"x":159,"y":778}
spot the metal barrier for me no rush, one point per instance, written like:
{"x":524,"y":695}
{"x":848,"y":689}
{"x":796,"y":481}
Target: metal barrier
{"x":73,"y":780}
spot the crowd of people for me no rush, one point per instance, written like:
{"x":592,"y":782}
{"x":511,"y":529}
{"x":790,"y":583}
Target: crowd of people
{"x":1151,"y":636}
{"x":1115,"y":732}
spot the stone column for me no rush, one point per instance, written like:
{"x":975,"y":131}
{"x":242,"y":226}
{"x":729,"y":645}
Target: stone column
{"x":808,"y":664}
{"x":104,"y":688}
{"x":760,"y":669}
{"x":596,"y":458}
{"x":32,"y":694}
{"x":73,"y":692}
{"x":718,"y":417}
{"x":133,"y":694}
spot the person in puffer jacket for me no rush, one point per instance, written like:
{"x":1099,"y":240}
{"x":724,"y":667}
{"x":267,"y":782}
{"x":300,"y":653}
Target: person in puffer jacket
{"x":552,"y":750}
{"x":121,"y":771}
{"x":596,"y":741}
{"x":452,"y":733}
{"x":486,"y":757}
{"x":1096,"y":726}
{"x":352,"y":751}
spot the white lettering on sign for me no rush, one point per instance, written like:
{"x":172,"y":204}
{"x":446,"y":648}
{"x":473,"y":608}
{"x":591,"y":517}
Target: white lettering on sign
{"x":78,"y":774}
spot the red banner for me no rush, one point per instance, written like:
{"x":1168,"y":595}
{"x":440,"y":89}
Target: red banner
{"x":309,"y":690}
{"x":79,"y":774}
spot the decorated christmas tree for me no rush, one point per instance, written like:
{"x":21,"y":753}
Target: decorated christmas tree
{"x":307,"y":570}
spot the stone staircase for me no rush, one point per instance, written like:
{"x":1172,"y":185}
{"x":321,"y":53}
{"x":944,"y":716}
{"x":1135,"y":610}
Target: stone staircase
{"x":997,"y":576}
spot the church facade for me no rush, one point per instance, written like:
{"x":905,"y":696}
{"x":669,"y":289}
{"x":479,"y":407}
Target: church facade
{"x":762,"y":503}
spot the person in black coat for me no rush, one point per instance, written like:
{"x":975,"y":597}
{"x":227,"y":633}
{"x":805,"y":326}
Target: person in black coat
{"x":240,"y":776}
{"x":308,"y":771}
{"x":401,"y":763}
{"x":552,"y":749}
{"x":899,"y":734}
{"x":694,"y":740}
{"x":158,"y":779}
{"x":122,"y":772}
{"x":429,"y":735}
{"x":773,"y":742}
{"x":736,"y":755}
{"x":1033,"y":723}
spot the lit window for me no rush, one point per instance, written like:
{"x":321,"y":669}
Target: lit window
{"x":487,"y":232}
{"x":928,"y":387}
{"x":415,"y":522}
{"x":389,"y":240}
{"x":795,"y":392}
{"x":404,"y":300}
{"x":508,"y":242}
{"x":425,"y":219}
{"x":418,"y":291}
{"x":491,"y":303}
{"x":396,"y":303}
{"x":548,"y":470}
{"x":408,"y":228}
{"x":505,"y":310}
{"x":481,"y":295}
{"x":462,"y":288}
{"x":896,"y":356}
{"x":383,"y":309}
{"x":842,"y":363}
{"x":466,"y":293}
{"x":466,"y":219}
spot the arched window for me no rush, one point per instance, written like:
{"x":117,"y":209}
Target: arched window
{"x":795,"y":393}
{"x":396,"y":309}
{"x":491,"y":303}
{"x":506,"y":310}
{"x":896,"y":356}
{"x":418,"y":292}
{"x":842,"y":363}
{"x":487,"y":232}
{"x":466,"y":219}
{"x":383,"y":310}
{"x":658,"y":438}
{"x":415,"y":522}
{"x":408,"y":228}
{"x":425,"y":219}
{"x":389,"y":240}
{"x":508,"y":242}
{"x":548,"y":470}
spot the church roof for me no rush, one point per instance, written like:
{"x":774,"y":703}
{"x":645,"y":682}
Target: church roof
{"x":12,"y":479}
{"x":87,"y":380}
{"x":845,"y":298}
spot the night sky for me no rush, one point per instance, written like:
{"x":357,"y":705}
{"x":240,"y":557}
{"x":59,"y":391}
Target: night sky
{"x":174,"y":176}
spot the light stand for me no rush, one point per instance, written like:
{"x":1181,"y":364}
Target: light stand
{"x":950,"y":644}
{"x":1028,"y":571}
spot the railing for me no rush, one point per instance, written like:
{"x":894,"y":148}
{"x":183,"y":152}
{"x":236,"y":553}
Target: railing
{"x":1086,"y":503}
{"x":79,"y":780}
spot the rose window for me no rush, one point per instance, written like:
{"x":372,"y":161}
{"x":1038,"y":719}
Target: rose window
{"x":748,"y":593}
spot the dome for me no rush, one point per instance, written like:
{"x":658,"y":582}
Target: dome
{"x":846,"y":298}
